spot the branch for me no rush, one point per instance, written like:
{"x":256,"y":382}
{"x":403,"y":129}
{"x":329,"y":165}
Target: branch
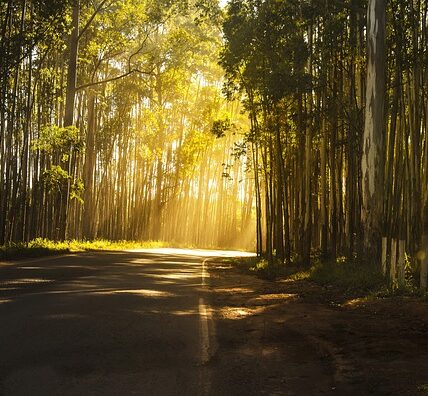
{"x":140,"y":48}
{"x":88,"y":23}
{"x":91,"y":84}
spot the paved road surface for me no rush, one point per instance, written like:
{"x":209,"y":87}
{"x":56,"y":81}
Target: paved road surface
{"x":106,"y":324}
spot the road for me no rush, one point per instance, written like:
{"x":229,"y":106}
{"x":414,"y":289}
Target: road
{"x":117,"y":323}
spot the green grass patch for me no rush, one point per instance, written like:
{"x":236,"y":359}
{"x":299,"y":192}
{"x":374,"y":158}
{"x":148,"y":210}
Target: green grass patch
{"x":40,"y":247}
{"x":348,"y":276}
{"x":263,"y":269}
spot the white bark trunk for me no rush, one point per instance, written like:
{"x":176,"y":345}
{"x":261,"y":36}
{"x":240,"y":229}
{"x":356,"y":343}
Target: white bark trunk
{"x":372,"y":162}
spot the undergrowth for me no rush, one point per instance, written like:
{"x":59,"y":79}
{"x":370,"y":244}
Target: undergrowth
{"x":349,"y":277}
{"x":263,"y":269}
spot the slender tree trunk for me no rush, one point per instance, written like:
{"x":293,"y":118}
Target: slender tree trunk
{"x":69,"y":108}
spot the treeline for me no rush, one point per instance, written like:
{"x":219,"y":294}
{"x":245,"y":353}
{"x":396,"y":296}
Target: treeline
{"x":336,"y":92}
{"x":106,"y":112}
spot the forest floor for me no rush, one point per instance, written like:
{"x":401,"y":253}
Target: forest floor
{"x":295,"y":337}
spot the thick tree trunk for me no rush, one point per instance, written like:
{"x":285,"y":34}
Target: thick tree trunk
{"x":372,"y":162}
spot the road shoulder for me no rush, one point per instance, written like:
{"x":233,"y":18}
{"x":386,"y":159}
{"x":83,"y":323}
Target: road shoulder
{"x":295,"y":338}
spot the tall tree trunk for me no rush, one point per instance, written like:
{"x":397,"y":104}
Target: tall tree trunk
{"x":372,"y":162}
{"x":69,"y":106}
{"x":88,"y":171}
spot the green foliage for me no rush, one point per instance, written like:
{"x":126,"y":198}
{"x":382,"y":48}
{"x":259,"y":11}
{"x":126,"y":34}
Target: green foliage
{"x":53,"y":137}
{"x":267,"y":270}
{"x":192,"y":148}
{"x":220,"y":127}
{"x":55,"y":177}
{"x":264,"y":50}
{"x":47,"y":22}
{"x":39,"y":247}
{"x":77,"y":189}
{"x":261,"y":267}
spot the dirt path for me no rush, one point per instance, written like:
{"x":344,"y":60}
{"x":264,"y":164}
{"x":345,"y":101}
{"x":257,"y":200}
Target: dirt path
{"x":297,"y":338}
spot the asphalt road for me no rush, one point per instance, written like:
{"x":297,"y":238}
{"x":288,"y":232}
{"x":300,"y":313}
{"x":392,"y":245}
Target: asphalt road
{"x":106,"y":324}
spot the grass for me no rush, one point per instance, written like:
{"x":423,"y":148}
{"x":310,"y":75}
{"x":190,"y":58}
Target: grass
{"x":40,"y":247}
{"x":349,"y":277}
{"x":262,"y":268}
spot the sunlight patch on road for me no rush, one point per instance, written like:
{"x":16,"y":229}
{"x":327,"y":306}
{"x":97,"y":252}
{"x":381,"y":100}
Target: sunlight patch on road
{"x":238,"y":312}
{"x":174,"y":276}
{"x":272,"y":300}
{"x":180,"y":276}
{"x":233,"y":290}
{"x":184,"y":312}
{"x":355,"y":302}
{"x":276,"y":296}
{"x":143,"y":292}
{"x":25,"y":281}
{"x":195,"y":252}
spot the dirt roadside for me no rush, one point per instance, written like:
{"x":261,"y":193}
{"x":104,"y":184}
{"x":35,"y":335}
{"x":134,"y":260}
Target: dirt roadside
{"x":298,"y":338}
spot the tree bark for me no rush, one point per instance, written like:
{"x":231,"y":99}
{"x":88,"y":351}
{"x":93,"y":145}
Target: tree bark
{"x":372,"y":162}
{"x":69,"y":107}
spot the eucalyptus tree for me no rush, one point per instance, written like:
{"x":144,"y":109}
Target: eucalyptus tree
{"x":29,"y":30}
{"x":374,"y":129}
{"x":346,"y":92}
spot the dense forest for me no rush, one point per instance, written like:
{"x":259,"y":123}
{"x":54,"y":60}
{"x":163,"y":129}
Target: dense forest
{"x":336,"y":92}
{"x":107,"y":110}
{"x":293,"y":127}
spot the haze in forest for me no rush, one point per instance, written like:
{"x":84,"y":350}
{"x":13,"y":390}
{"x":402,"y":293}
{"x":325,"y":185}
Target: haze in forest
{"x":294,"y":128}
{"x":114,"y":107}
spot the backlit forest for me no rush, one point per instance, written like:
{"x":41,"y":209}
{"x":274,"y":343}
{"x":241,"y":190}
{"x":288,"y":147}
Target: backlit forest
{"x":293,"y":128}
{"x":107,"y":112}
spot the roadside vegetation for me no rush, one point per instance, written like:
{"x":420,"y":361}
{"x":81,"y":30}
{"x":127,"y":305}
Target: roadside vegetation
{"x":351,"y":278}
{"x":41,"y":247}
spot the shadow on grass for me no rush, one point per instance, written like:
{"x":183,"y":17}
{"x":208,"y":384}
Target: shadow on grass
{"x":17,"y":252}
